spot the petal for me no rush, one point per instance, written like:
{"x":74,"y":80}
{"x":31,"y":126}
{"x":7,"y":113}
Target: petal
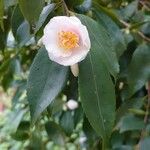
{"x":74,"y":58}
{"x":50,"y":40}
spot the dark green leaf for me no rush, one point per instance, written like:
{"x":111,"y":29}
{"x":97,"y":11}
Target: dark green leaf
{"x":23,"y":33}
{"x":84,"y":7}
{"x":95,"y":85}
{"x":139,"y":68}
{"x":130,"y":9}
{"x":46,"y":80}
{"x":136,"y":103}
{"x":15,"y":119}
{"x":116,"y":140}
{"x":101,"y":43}
{"x":16,"y":20}
{"x":89,"y":132}
{"x":31,"y":9}
{"x":73,"y":3}
{"x":20,"y":136}
{"x":20,"y":90}
{"x":130,"y":122}
{"x":67,"y":122}
{"x":55,"y":133}
{"x":44,"y":14}
{"x":24,"y":126}
{"x":113,"y":31}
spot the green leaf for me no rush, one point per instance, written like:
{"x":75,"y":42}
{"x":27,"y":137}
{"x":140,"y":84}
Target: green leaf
{"x":129,"y":10}
{"x":95,"y":85}
{"x":43,"y":16}
{"x":20,"y":136}
{"x":84,"y":7}
{"x":145,"y":143}
{"x":130,"y":122}
{"x":116,"y":140}
{"x":67,"y":122}
{"x":73,"y":3}
{"x":31,"y":9}
{"x":135,"y":103}
{"x":16,"y":20}
{"x":45,"y":81}
{"x":17,"y":95}
{"x":10,"y":3}
{"x":139,"y":68}
{"x":55,"y":133}
{"x":23,"y":33}
{"x":15,"y":119}
{"x":101,"y":43}
{"x":113,"y":30}
{"x":24,"y":126}
{"x":56,"y":106}
{"x":1,"y":14}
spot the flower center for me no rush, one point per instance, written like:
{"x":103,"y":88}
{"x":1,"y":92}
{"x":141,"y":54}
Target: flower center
{"x":68,"y":40}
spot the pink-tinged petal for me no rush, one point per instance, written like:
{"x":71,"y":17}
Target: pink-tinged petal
{"x":72,"y":59}
{"x":51,"y":40}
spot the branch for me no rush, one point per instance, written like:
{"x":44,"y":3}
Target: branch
{"x":66,"y":10}
{"x":118,"y":21}
{"x":148,"y":105}
{"x":127,"y":25}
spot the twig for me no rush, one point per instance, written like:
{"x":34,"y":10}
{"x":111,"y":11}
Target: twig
{"x":120,"y":22}
{"x":66,"y":10}
{"x":127,"y":25}
{"x":143,"y":36}
{"x":148,"y":105}
{"x":144,"y":5}
{"x":146,"y":116}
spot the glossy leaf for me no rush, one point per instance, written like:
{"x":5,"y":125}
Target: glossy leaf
{"x":96,"y":88}
{"x":16,"y":20}
{"x":55,"y":133}
{"x":31,"y":9}
{"x":23,"y":33}
{"x":102,"y":43}
{"x":135,"y":103}
{"x":15,"y":119}
{"x":44,"y":14}
{"x":130,"y":9}
{"x":139,"y":68}
{"x":67,"y":122}
{"x":113,"y":30}
{"x":46,"y":80}
{"x":131,"y":122}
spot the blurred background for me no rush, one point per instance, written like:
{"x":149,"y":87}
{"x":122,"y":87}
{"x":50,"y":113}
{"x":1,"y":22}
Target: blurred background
{"x":63,"y":125}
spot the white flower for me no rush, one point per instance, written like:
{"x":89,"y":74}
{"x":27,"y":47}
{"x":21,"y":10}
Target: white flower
{"x":66,"y":40}
{"x":72,"y":104}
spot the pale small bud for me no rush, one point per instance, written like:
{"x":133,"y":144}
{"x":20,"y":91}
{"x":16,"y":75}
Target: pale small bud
{"x":72,"y":104}
{"x":82,"y":140}
{"x":121,"y":84}
{"x":75,"y":70}
{"x":40,"y":43}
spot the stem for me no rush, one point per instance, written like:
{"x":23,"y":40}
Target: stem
{"x":105,"y":144}
{"x":66,"y":10}
{"x":117,"y":20}
{"x":148,"y":105}
{"x":146,"y":115}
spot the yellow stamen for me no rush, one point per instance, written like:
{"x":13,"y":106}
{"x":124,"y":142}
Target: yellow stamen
{"x":68,"y":40}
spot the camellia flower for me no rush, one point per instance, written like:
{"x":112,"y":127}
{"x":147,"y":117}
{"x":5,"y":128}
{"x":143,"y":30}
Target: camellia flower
{"x":66,"y":40}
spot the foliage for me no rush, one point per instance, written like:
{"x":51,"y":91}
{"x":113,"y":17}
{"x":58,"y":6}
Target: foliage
{"x":112,"y":90}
